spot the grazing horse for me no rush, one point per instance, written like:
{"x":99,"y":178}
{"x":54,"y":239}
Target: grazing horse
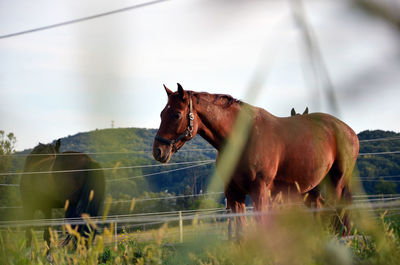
{"x":54,"y":180}
{"x":280,"y":154}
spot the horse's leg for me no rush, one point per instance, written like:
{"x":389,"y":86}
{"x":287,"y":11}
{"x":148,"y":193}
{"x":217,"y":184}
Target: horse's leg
{"x":259,"y":195}
{"x":314,"y":198}
{"x":236,"y":202}
{"x":315,"y":201}
{"x":46,"y":235}
{"x":339,"y":176}
{"x":28,"y":215}
{"x":347,"y":198}
{"x":70,"y":213}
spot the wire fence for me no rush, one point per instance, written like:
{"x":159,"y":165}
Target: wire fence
{"x":110,"y":153}
{"x":357,"y":198}
{"x":104,"y":168}
{"x":197,"y":164}
{"x":206,"y":162}
{"x":212,"y":213}
{"x":147,"y":166}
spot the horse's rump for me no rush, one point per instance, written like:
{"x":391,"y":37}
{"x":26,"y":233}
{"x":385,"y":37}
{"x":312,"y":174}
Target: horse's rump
{"x":311,"y":145}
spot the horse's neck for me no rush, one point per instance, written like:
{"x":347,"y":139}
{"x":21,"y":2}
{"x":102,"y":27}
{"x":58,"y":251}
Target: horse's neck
{"x":216,"y":121}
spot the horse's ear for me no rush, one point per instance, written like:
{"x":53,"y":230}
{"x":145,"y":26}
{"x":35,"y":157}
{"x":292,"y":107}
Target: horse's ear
{"x":58,"y":144}
{"x":305,"y":111}
{"x":181,"y":92}
{"x":292,"y":112}
{"x":169,"y":92}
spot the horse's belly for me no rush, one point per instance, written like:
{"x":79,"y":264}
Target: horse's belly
{"x":305,"y":175}
{"x":294,"y":185}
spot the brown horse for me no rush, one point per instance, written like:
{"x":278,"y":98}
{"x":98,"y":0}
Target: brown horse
{"x":77,"y":190}
{"x":280,"y":154}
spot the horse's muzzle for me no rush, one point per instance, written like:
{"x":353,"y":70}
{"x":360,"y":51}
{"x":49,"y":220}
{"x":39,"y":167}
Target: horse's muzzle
{"x":162,"y":153}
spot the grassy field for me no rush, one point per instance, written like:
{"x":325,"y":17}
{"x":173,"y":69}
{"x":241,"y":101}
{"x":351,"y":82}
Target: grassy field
{"x":290,"y":237}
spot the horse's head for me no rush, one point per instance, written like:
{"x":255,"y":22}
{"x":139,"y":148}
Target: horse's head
{"x":42,"y":153}
{"x":50,"y":149}
{"x":178,"y":124}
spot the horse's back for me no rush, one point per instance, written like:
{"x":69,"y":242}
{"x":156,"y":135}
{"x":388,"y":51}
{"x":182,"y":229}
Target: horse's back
{"x":71,"y":160}
{"x":346,"y":140}
{"x":321,"y":126}
{"x":71,"y":171}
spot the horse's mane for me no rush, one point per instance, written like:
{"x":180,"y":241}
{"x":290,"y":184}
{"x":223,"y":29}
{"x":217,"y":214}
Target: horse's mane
{"x":223,"y":100}
{"x":47,"y":149}
{"x":39,"y":157}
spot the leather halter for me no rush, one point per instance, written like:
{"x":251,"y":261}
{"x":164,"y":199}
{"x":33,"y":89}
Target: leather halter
{"x":185,"y":134}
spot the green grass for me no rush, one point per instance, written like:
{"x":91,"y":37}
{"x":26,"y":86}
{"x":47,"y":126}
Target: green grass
{"x":290,"y":237}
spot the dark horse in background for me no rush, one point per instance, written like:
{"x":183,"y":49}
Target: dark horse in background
{"x":76,"y":187}
{"x":280,"y":154}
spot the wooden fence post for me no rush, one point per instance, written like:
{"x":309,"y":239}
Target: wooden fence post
{"x":116,"y":234}
{"x":180,"y":227}
{"x":228,"y":211}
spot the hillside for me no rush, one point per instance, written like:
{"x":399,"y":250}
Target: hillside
{"x":372,"y":168}
{"x":122,"y":147}
{"x":140,"y":141}
{"x":379,"y":173}
{"x":132,"y":147}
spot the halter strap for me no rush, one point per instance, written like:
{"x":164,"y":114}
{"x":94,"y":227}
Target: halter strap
{"x":185,"y":134}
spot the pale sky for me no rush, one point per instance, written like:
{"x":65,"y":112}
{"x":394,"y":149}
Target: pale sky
{"x":79,"y":77}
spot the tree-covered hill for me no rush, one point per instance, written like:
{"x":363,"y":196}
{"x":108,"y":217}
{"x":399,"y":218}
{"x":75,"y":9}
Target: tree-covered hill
{"x":132,"y":147}
{"x":379,"y":173}
{"x":125,"y":147}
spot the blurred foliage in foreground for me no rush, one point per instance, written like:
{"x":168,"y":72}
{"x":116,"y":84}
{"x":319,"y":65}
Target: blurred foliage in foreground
{"x":290,"y":237}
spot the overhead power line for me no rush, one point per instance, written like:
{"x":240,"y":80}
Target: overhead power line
{"x":82,"y":19}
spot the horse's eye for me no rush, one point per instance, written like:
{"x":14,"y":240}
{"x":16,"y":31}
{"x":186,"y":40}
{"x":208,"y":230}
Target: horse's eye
{"x":177,"y":115}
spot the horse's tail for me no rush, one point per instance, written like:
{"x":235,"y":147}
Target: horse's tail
{"x":92,"y":194}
